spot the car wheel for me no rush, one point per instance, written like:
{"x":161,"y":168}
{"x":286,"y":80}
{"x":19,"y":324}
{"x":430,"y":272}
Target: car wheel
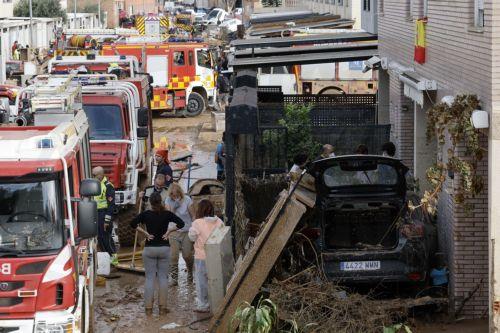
{"x":196,"y":105}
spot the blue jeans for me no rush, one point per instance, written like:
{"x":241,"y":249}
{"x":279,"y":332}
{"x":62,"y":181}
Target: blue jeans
{"x":156,"y":264}
{"x":200,"y":273}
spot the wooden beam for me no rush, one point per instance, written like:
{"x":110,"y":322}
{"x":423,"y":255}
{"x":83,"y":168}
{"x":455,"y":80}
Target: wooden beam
{"x":259,"y":261}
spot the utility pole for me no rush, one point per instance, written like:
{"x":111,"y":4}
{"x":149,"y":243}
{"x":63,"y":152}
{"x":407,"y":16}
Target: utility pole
{"x":31,"y":24}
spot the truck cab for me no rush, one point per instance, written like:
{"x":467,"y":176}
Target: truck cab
{"x":183,"y":78}
{"x":47,"y":224}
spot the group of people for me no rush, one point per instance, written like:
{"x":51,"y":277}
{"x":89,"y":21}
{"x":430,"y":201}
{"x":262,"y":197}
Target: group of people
{"x":171,"y":225}
{"x":301,"y":160}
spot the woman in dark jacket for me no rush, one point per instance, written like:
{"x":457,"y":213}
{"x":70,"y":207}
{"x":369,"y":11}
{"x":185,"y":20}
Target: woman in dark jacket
{"x":159,"y":223}
{"x":163,"y":166}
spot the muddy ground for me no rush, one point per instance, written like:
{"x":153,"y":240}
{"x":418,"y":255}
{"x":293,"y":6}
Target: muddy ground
{"x":119,"y":304}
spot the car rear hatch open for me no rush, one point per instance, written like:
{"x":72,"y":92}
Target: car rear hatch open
{"x":360,"y":198}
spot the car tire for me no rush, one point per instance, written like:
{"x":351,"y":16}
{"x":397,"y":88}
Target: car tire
{"x":196,"y":105}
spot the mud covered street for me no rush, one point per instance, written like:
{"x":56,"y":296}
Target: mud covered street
{"x":119,"y":304}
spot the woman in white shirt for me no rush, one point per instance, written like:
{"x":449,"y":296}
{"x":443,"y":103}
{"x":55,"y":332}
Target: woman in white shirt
{"x":182,"y":206}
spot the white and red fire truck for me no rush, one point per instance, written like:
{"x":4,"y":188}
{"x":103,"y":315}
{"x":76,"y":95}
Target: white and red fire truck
{"x":183,"y":73}
{"x":47,"y":220}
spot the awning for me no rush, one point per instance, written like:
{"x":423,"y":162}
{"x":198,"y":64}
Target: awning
{"x":303,"y":40}
{"x":415,"y":86}
{"x":300,"y":59}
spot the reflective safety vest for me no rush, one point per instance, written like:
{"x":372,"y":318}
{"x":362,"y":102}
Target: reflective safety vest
{"x":102,"y":201}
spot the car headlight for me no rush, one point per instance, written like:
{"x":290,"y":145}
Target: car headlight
{"x":62,"y":327}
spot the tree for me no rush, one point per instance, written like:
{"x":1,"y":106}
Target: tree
{"x":229,"y":4}
{"x":41,"y":8}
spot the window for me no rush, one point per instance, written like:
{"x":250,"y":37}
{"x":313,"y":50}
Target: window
{"x":179,"y":59}
{"x":479,"y":13}
{"x":366,"y":5}
{"x":341,"y":2}
{"x":105,"y":121}
{"x":203,"y":58}
{"x":190,"y":58}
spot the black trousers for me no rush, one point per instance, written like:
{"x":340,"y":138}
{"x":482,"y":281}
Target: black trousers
{"x":104,"y":238}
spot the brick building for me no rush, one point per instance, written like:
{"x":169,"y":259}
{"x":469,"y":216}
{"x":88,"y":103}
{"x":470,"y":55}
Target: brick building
{"x":460,"y":59}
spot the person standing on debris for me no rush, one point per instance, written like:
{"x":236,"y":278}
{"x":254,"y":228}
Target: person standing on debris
{"x":182,"y":206}
{"x":299,"y":164}
{"x":159,"y":223}
{"x":163,"y":166}
{"x":199,"y":232}
{"x":105,"y":209}
{"x":223,"y":89}
{"x":326,"y":152}
{"x":158,"y":187}
{"x":220,"y":158}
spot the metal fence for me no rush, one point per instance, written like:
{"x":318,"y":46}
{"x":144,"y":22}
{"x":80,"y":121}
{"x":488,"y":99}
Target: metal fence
{"x":345,"y":139}
{"x":265,"y":152}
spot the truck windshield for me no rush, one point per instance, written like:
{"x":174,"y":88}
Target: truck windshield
{"x":30,"y":214}
{"x":105,"y":121}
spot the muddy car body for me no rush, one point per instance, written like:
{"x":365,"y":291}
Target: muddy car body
{"x":367,"y":233}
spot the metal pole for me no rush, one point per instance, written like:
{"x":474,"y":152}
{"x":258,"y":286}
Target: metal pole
{"x":31,"y":24}
{"x":99,"y":13}
{"x":74,"y":15}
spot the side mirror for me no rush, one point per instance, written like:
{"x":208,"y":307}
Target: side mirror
{"x":143,"y":117}
{"x":90,"y":188}
{"x":87,"y":219}
{"x":142,"y":132}
{"x":150,"y":79}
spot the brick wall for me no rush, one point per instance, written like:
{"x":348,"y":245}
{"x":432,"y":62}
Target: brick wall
{"x":401,"y":121}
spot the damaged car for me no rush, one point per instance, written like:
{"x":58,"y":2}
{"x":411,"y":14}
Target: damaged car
{"x":367,"y":233}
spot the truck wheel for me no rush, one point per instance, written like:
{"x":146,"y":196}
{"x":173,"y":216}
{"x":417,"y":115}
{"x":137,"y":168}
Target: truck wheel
{"x":196,"y":105}
{"x":126,"y":234}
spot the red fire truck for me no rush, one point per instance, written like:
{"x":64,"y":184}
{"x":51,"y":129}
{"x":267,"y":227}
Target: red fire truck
{"x":121,"y":131}
{"x":47,"y":221}
{"x":183,"y":75}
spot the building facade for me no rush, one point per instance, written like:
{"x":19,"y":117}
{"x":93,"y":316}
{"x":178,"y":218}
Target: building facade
{"x":460,"y":58}
{"x":7,"y":8}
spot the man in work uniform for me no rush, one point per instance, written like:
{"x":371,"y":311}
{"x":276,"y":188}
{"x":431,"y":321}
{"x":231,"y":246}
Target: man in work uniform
{"x":105,"y":208}
{"x":158,"y":187}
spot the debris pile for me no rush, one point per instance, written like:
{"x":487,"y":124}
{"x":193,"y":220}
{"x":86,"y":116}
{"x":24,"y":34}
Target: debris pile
{"x":317,"y":305}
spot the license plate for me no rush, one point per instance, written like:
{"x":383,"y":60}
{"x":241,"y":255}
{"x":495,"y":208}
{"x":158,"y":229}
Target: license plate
{"x":359,"y":265}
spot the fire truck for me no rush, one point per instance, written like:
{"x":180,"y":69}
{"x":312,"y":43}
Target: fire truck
{"x":121,"y":129}
{"x":182,"y":72}
{"x":48,"y":222}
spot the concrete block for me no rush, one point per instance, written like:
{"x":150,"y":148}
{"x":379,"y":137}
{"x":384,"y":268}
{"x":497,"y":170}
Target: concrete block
{"x":219,"y":121}
{"x":220,"y":264}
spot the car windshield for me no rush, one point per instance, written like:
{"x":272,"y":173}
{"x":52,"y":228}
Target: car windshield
{"x":105,"y":121}
{"x":360,"y":172}
{"x":213,"y":14}
{"x":30,"y":215}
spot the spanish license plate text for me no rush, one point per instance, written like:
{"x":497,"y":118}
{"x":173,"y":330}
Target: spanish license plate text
{"x":359,"y":265}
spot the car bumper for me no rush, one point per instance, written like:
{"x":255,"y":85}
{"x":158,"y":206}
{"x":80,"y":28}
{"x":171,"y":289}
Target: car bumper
{"x":406,"y":263}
